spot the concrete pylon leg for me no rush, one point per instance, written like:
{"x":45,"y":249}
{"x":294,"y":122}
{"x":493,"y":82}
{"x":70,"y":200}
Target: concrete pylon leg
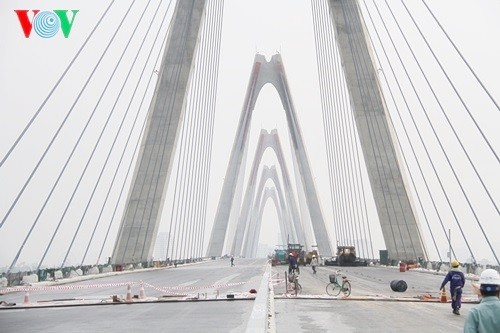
{"x":146,"y":196}
{"x":292,"y":225}
{"x":264,"y":72}
{"x":250,"y":234}
{"x":269,"y":193}
{"x":255,"y":215}
{"x":283,"y":217}
{"x":399,"y":225}
{"x":300,"y":155}
{"x":249,"y":196}
{"x":288,"y":190}
{"x":258,"y":220}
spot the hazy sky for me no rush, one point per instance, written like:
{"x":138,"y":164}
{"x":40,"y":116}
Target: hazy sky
{"x":30,"y":67}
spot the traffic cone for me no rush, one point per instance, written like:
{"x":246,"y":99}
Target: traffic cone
{"x":129,"y":294}
{"x":27,"y":298}
{"x":444,"y":298}
{"x":142,"y":293}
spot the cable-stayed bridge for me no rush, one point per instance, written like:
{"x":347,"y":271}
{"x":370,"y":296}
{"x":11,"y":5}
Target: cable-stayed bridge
{"x":121,"y":139}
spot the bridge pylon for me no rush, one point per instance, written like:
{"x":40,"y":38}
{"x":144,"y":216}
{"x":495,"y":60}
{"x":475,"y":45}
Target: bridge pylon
{"x":264,"y":72}
{"x":395,"y":209}
{"x":146,"y":196}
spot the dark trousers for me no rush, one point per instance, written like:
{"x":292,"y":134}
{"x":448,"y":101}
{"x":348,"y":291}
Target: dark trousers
{"x":456,"y":298}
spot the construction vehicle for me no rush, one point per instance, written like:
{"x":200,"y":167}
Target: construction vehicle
{"x":309,"y":256}
{"x":298,"y":253}
{"x":346,"y":256}
{"x":280,"y":256}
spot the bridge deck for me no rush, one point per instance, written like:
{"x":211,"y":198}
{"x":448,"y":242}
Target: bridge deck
{"x":196,"y":297}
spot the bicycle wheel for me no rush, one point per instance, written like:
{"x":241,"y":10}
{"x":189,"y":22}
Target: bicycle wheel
{"x":346,"y":288}
{"x":298,"y":288}
{"x":332,"y":290}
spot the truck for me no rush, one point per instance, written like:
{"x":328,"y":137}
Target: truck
{"x":309,"y":256}
{"x":282,"y":253}
{"x":346,"y":256}
{"x":298,"y":253}
{"x":280,"y":256}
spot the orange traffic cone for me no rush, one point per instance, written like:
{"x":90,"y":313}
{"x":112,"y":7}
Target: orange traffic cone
{"x":129,"y":294}
{"x":142,"y":293}
{"x":27,"y":298}
{"x":444,"y":298}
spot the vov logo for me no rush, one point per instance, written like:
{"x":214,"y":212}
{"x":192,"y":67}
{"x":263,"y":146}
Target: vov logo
{"x":46,"y":23}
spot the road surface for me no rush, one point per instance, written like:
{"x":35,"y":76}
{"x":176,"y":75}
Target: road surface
{"x":195,"y":297}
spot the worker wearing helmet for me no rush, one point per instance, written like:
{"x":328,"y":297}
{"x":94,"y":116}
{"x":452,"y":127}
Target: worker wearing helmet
{"x":457,"y":282}
{"x":485,"y":317}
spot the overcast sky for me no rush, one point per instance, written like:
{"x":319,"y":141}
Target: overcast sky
{"x":30,"y":67}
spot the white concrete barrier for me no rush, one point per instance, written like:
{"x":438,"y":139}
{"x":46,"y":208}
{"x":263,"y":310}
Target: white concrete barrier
{"x":58,"y":275}
{"x":75,"y":273}
{"x":259,"y":318}
{"x":28,"y":279}
{"x":107,"y":269}
{"x":93,"y":270}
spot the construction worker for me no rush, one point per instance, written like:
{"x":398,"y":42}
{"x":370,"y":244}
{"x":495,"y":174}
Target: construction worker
{"x":485,"y":317}
{"x":314,"y":263}
{"x":457,"y":282}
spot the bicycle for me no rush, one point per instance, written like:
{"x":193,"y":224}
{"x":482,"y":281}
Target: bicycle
{"x":334,"y":288}
{"x":294,"y":284}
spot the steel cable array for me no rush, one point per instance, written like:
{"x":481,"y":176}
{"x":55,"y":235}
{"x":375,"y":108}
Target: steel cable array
{"x":341,"y":143}
{"x":152,"y":190}
{"x":188,"y":213}
{"x":63,"y":75}
{"x":336,"y":115}
{"x":88,"y":161}
{"x":97,"y":144}
{"x":423,"y":136}
{"x":417,"y":93}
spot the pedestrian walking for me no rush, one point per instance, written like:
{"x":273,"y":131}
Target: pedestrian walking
{"x":457,"y":282}
{"x":232,"y":261}
{"x":485,"y":317}
{"x":314,"y":263}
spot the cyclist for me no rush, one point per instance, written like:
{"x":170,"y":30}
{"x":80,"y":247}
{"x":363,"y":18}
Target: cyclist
{"x":292,"y":263}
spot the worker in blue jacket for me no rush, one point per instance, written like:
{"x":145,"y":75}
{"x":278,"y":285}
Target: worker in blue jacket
{"x":457,"y":282}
